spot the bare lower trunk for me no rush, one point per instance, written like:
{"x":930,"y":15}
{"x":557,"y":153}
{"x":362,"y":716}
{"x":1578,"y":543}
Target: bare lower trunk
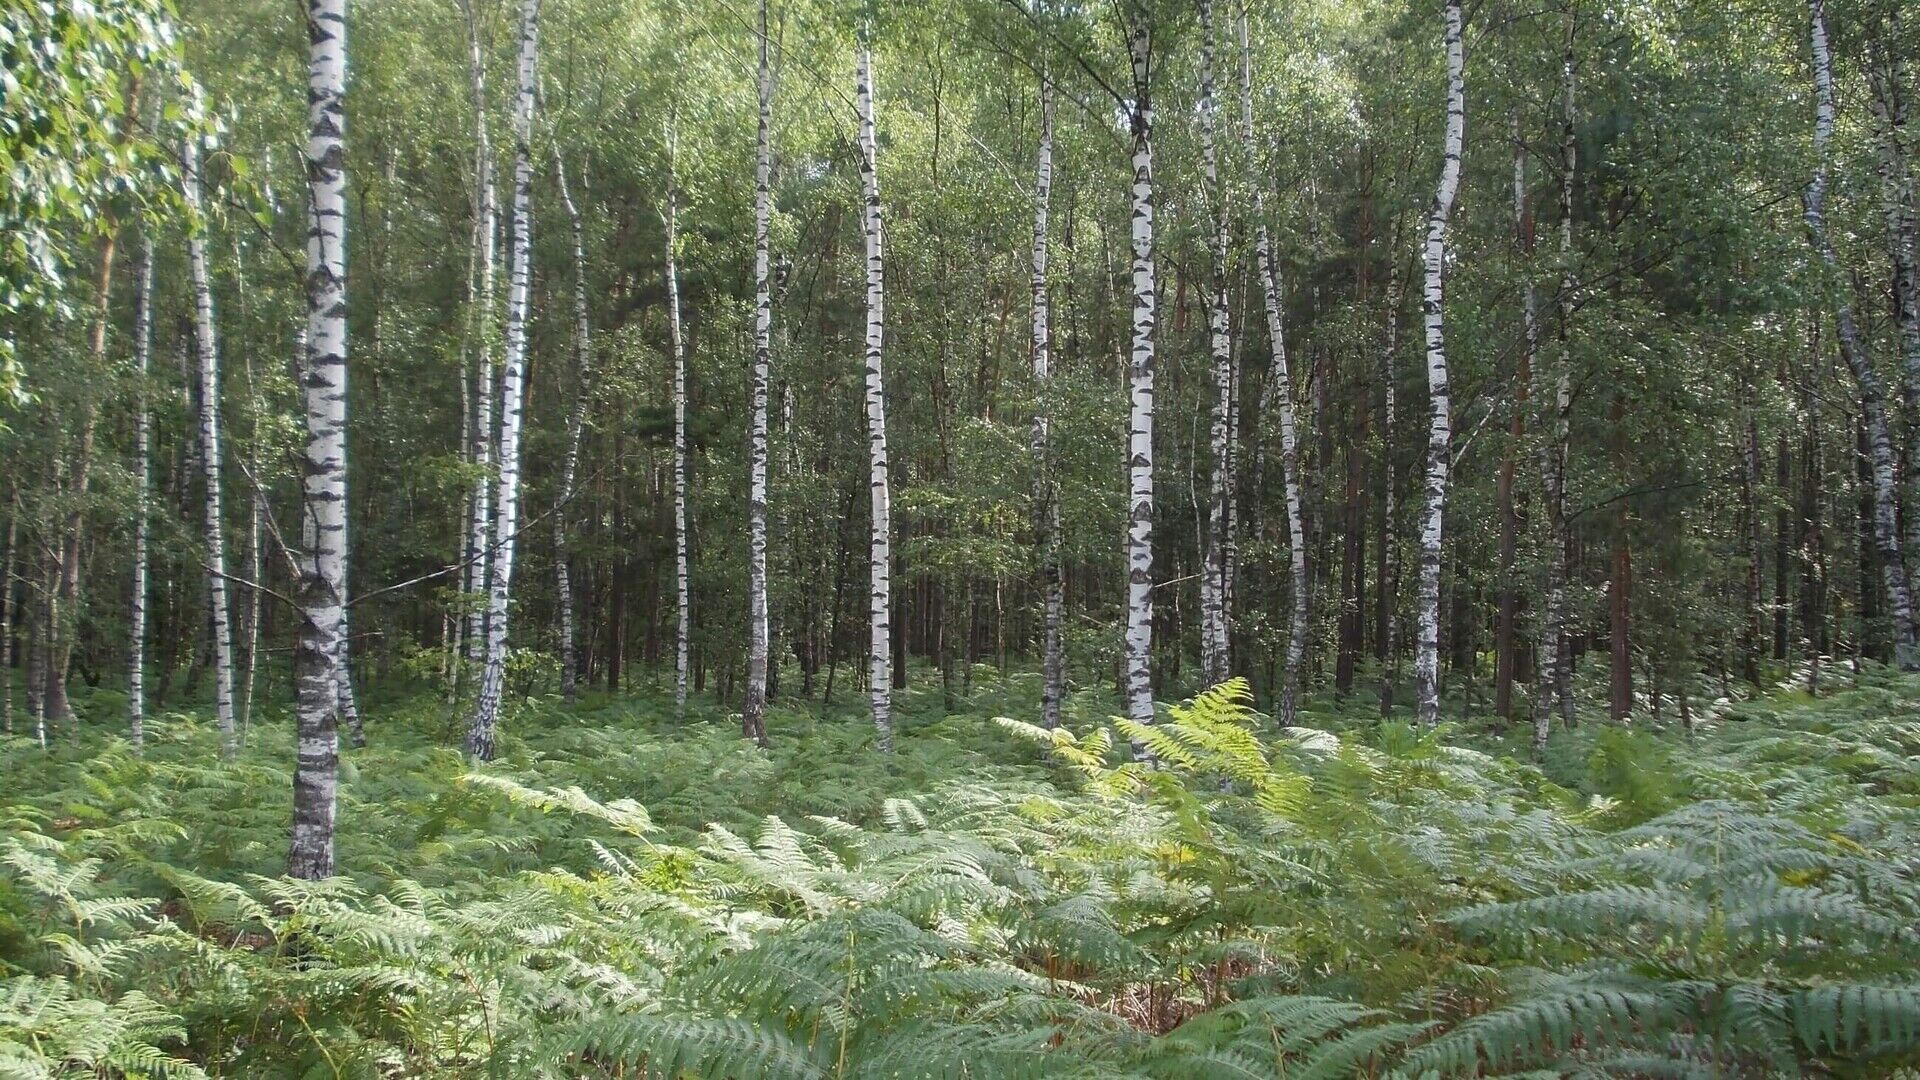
{"x":880,"y":560}
{"x":142,"y":509}
{"x":1440,"y":428}
{"x":1277,"y":399}
{"x":576,"y":423}
{"x":1215,"y":632}
{"x":1555,"y":680}
{"x":753,"y":723}
{"x":317,"y":657}
{"x":1137,"y":677}
{"x":480,"y":335}
{"x":1505,"y":636}
{"x":486,"y":712}
{"x":8,"y":606}
{"x":215,"y":528}
{"x":1046,"y":497}
{"x":683,"y":630}
{"x":1853,"y":350}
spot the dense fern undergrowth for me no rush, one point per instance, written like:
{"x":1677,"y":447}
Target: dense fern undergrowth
{"x":623,"y":895}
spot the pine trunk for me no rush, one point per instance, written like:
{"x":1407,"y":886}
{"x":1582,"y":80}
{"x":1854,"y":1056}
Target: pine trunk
{"x":486,"y":712}
{"x":317,"y":656}
{"x":880,"y":559}
{"x":1440,"y":428}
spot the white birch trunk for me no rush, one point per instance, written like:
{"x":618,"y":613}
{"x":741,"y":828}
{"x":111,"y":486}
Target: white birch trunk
{"x":1440,"y":429}
{"x":209,"y":378}
{"x":486,"y":711}
{"x":880,"y":558}
{"x":1215,"y":630}
{"x":576,"y":423}
{"x":142,"y":527}
{"x":317,"y":657}
{"x":1138,"y":671}
{"x":1555,"y":390}
{"x":753,"y":724}
{"x":1046,"y":495}
{"x":7,"y":620}
{"x":1872,"y":395}
{"x":1276,"y":398}
{"x":1390,"y":486}
{"x":480,"y":331}
{"x":1903,"y":234}
{"x":683,"y":593}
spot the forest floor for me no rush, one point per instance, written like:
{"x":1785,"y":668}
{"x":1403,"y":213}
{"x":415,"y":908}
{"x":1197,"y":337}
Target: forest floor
{"x":626,"y":894}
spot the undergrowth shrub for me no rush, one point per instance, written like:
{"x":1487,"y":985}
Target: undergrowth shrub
{"x":621,"y":894}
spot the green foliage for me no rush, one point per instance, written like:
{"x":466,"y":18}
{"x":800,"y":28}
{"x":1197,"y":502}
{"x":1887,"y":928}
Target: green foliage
{"x":618,"y":894}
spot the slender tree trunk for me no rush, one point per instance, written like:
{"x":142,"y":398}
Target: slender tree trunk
{"x":880,"y":560}
{"x":256,"y":526}
{"x":753,"y":710}
{"x":1215,"y":631}
{"x":1138,"y":671}
{"x":683,"y":631}
{"x":576,"y":423}
{"x":1889,"y":102}
{"x":1750,"y":535}
{"x":1853,"y":350}
{"x":1620,"y":589}
{"x":142,"y":509}
{"x":209,"y":378}
{"x":65,"y":630}
{"x":1387,"y":593}
{"x":1505,"y":638}
{"x":1046,"y":496}
{"x":317,"y":657}
{"x":1555,"y":679}
{"x":480,"y":333}
{"x":8,"y":607}
{"x":486,"y":712}
{"x":1440,"y":431}
{"x":1276,"y":398}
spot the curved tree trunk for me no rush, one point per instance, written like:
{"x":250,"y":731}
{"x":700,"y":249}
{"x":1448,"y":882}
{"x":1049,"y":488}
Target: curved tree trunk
{"x":486,"y":711}
{"x":753,"y":720}
{"x":880,"y":559}
{"x":1046,"y":496}
{"x":1215,"y":619}
{"x":576,"y":423}
{"x":215,"y":529}
{"x":142,"y":527}
{"x":1137,"y":681}
{"x":1276,"y":398}
{"x":1872,"y":394}
{"x":1440,"y":428}
{"x":324,"y":482}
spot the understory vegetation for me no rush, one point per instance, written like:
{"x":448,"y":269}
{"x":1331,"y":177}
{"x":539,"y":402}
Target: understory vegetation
{"x":619,"y":894}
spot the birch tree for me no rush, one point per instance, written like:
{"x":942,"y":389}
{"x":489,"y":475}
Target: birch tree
{"x":480,"y":303}
{"x":1873,"y":406}
{"x":683,"y":594}
{"x":1554,"y":683}
{"x":1888,"y":98}
{"x":8,"y":616}
{"x":142,"y":526}
{"x":1046,"y":495}
{"x":1215,"y":645}
{"x":1440,"y":428}
{"x":1276,"y":399}
{"x":317,"y":657}
{"x":753,"y":723}
{"x":486,"y":711}
{"x":576,"y":422}
{"x":207,"y":352}
{"x":880,"y":552}
{"x":1138,"y":660}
